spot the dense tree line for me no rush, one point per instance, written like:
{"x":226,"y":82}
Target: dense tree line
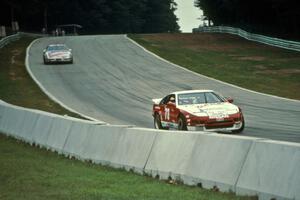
{"x":272,"y":17}
{"x":96,"y":16}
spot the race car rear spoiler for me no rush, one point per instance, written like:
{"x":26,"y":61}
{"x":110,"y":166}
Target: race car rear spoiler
{"x":156,"y":101}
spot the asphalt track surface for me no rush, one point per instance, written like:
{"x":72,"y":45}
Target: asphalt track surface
{"x":113,"y":80}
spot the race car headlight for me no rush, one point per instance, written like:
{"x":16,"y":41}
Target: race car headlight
{"x":233,"y":111}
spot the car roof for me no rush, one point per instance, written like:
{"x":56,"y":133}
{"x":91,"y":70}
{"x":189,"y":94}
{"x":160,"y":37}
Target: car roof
{"x":58,"y":47}
{"x":191,"y":91}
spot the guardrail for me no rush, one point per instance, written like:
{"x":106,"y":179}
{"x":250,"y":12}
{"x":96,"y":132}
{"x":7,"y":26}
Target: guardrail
{"x":33,"y":34}
{"x":286,"y":44}
{"x":244,"y":165}
{"x":4,"y":41}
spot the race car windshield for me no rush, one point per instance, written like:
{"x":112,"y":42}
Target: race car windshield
{"x":198,"y":98}
{"x":57,"y":48}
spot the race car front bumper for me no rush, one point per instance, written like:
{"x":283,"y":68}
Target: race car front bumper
{"x":235,"y":126}
{"x":58,"y":60}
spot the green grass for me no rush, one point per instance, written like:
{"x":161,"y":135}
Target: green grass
{"x":31,"y":173}
{"x":231,"y":59}
{"x":17,"y":87}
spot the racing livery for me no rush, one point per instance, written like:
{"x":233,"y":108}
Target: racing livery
{"x":197,"y":110}
{"x":57,"y":53}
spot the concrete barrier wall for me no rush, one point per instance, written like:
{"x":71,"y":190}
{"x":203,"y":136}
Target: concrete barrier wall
{"x":247,"y":166}
{"x":116,"y":146}
{"x":271,"y":170}
{"x":133,"y":149}
{"x":14,"y":126}
{"x":2,"y":109}
{"x":217,"y":161}
{"x":3,"y":118}
{"x":170,"y":154}
{"x":28,"y":125}
{"x":75,"y":141}
{"x":58,"y":134}
{"x":100,"y":144}
{"x":209,"y":160}
{"x":11,"y":119}
{"x":41,"y":130}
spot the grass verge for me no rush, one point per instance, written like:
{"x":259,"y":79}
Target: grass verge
{"x":231,"y":59}
{"x":17,"y":87}
{"x":31,"y":173}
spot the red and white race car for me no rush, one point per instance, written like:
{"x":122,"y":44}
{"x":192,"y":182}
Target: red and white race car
{"x":197,"y":110}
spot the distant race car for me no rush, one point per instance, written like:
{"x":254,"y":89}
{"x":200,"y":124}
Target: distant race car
{"x":197,"y":110}
{"x":57,"y":53}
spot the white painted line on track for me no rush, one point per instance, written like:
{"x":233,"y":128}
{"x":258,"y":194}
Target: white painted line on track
{"x":48,"y":93}
{"x":241,"y":88}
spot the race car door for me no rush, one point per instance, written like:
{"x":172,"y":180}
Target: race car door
{"x":171,"y":111}
{"x":165,"y":109}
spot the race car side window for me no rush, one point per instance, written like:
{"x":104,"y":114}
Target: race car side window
{"x":168,"y":98}
{"x":164,"y":100}
{"x":171,"y":98}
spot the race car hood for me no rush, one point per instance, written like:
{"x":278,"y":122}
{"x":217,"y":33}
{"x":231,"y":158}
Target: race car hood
{"x":211,"y":110}
{"x":58,"y":54}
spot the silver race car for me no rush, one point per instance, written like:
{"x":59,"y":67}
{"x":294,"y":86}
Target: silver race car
{"x":57,"y":53}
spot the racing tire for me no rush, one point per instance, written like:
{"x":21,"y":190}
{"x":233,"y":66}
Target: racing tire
{"x":182,"y":123}
{"x":157,"y":122}
{"x":45,"y":61}
{"x":241,"y":129}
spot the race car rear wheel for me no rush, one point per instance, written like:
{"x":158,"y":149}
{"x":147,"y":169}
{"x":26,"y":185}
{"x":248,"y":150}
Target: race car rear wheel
{"x":182,"y":123}
{"x":157,"y":122}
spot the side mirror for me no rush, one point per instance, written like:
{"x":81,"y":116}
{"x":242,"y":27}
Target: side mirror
{"x":70,"y":50}
{"x":44,"y":50}
{"x":229,"y":99}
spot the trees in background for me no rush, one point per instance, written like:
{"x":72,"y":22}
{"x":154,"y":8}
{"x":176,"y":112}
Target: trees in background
{"x":161,"y":16}
{"x":273,"y":17}
{"x":96,"y":16}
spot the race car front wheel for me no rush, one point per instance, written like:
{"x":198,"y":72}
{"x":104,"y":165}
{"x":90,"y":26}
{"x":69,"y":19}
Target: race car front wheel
{"x":241,"y":129}
{"x":45,"y":61}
